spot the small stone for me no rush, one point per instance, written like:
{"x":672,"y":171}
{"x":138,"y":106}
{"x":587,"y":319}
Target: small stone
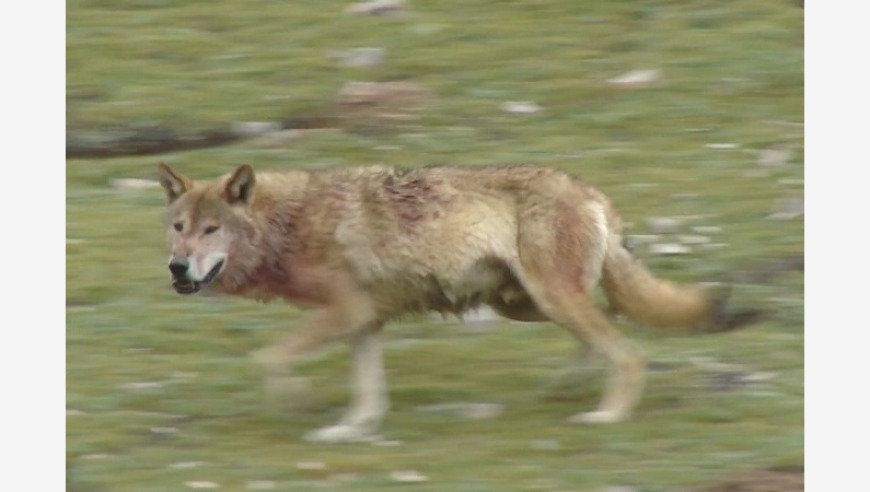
{"x":520,"y":107}
{"x":663,"y":225}
{"x":71,"y":240}
{"x":482,"y":410}
{"x":202,"y":484}
{"x":377,"y":7}
{"x":637,"y":78}
{"x":251,"y":128}
{"x":760,"y":377}
{"x":669,"y":249}
{"x":408,"y":476}
{"x":71,"y":412}
{"x":775,"y":156}
{"x":364,"y":57}
{"x":787,"y":208}
{"x":722,"y":146}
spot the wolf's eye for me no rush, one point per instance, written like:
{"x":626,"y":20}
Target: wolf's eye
{"x":211,"y":229}
{"x":178,"y":226}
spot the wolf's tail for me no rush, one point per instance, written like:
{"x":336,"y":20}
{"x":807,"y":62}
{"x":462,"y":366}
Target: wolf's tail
{"x":633,"y":291}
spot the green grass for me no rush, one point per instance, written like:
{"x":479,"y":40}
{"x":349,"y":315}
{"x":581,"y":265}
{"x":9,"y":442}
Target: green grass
{"x":733,"y":72}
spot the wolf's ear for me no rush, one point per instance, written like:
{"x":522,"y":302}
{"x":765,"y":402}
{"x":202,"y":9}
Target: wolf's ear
{"x":173,"y":183}
{"x":240,"y":186}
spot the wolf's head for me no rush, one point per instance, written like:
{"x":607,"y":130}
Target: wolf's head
{"x":204,"y":222}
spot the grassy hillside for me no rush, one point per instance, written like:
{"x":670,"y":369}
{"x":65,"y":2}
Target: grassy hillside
{"x":160,"y":394}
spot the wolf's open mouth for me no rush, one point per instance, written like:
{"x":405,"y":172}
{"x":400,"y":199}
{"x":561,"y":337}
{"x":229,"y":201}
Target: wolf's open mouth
{"x":192,"y":286}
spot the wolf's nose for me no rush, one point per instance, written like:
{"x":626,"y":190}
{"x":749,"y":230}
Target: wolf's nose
{"x":179,"y":268}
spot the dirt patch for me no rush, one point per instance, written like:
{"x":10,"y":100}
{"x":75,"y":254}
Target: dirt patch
{"x":152,"y":139}
{"x":786,"y":480}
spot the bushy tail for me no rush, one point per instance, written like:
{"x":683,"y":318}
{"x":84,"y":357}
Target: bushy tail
{"x":633,"y":291}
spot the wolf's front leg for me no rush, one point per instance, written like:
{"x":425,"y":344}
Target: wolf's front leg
{"x":328,"y":324}
{"x":363,"y":418}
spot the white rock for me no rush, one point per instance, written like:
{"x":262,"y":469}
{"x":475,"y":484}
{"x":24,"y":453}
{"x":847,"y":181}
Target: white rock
{"x":663,"y":225}
{"x":250,"y":128}
{"x":164,"y":431}
{"x":408,"y":476}
{"x":775,"y":156}
{"x":669,"y":249}
{"x":637,"y":78}
{"x":202,"y":484}
{"x":787,"y":208}
{"x":722,"y":146}
{"x":376,"y":7}
{"x":520,"y":107}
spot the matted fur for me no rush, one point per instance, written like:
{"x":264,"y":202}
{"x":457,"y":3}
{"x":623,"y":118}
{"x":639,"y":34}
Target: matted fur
{"x":364,"y":246}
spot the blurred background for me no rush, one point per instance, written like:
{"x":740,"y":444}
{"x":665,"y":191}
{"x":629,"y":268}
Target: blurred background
{"x":689,"y":115}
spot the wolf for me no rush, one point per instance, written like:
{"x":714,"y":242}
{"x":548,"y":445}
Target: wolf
{"x":364,"y":246}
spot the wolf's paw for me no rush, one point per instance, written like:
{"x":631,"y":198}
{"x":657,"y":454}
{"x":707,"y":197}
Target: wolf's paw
{"x":598,"y":417}
{"x":341,"y":433}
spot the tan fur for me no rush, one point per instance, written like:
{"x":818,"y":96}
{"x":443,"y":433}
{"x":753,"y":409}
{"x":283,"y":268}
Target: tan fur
{"x":365,"y":246}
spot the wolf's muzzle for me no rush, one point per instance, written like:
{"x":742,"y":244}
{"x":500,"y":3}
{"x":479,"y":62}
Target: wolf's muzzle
{"x":179,"y":267}
{"x":181,"y":281}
